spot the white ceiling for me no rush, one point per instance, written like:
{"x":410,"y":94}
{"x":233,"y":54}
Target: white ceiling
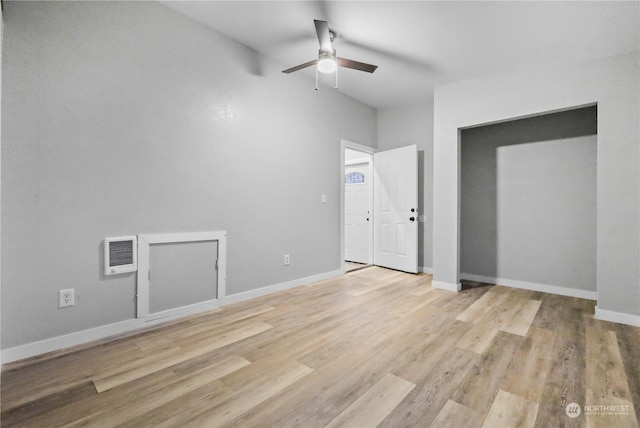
{"x":419,"y":44}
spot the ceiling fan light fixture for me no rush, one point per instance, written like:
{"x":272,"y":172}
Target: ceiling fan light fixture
{"x":327,"y":62}
{"x":327,"y":65}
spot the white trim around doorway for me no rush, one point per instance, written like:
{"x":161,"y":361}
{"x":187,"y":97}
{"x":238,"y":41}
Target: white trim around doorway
{"x":345,"y":144}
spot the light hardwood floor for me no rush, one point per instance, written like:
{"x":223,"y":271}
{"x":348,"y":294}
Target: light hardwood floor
{"x":351,"y":266}
{"x":372,"y":348}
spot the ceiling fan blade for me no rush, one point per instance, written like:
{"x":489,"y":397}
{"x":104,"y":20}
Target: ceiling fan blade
{"x":300,"y":67}
{"x":356,"y":65}
{"x":324,"y":38}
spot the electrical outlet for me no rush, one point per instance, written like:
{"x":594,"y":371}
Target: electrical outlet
{"x":66,"y":298}
{"x":287,"y":260}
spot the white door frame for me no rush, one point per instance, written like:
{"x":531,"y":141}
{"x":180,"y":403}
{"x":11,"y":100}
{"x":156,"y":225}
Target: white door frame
{"x":365,"y":163}
{"x":345,"y":144}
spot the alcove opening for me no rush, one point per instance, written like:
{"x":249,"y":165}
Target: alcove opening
{"x":528,"y":193}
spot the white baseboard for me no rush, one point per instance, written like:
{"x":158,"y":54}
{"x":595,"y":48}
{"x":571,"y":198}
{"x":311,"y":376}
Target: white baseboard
{"x":181,"y":312}
{"x":553,"y":289}
{"x":425,"y":269}
{"x":619,"y":317}
{"x":446,"y":286}
{"x":251,"y":294}
{"x":72,"y":339}
{"x":81,"y":337}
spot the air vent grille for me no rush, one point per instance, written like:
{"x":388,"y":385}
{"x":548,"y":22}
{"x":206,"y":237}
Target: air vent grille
{"x":120,"y":255}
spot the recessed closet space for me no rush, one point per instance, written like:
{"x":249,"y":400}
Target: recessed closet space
{"x":528,"y":202}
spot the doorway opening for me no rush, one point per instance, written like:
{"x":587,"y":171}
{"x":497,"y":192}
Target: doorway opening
{"x":384,"y":216}
{"x":358,"y":209}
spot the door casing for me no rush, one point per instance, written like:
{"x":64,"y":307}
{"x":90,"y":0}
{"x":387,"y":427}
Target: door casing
{"x":345,"y":144}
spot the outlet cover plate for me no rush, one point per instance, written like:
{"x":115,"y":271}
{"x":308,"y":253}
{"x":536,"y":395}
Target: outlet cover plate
{"x":66,"y":298}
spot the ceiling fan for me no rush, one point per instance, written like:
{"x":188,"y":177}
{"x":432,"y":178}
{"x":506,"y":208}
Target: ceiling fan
{"x":327,"y":61}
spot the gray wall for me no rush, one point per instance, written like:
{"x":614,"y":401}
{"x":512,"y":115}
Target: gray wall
{"x":1,"y":49}
{"x":121,"y":118}
{"x":528,"y":200}
{"x":404,"y":126}
{"x":610,"y":82}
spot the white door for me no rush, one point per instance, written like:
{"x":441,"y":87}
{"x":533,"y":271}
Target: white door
{"x":395,"y":213}
{"x":357,"y":235}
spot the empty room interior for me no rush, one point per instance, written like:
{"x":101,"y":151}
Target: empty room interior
{"x":320,"y":213}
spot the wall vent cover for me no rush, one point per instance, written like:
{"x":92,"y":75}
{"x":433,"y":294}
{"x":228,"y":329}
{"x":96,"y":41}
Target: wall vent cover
{"x":120,"y":255}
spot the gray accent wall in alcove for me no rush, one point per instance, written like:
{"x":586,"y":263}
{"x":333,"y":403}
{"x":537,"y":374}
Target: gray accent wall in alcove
{"x":528,"y":200}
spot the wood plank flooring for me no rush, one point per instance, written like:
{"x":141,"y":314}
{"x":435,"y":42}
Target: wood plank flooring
{"x":374,"y":347}
{"x":351,"y":266}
